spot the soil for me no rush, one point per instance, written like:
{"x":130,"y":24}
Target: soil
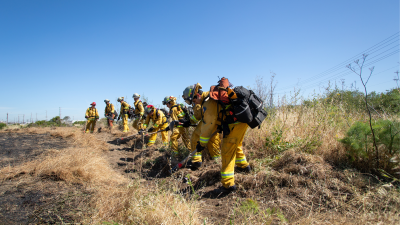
{"x":28,"y":200}
{"x":25,"y":200}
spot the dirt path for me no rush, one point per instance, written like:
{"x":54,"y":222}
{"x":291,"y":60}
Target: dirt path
{"x":128,"y":156}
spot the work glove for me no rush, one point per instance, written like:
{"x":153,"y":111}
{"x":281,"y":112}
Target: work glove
{"x":86,"y":117}
{"x":119,"y":117}
{"x":151,"y":129}
{"x":167,"y":129}
{"x":199,"y":148}
{"x":141,"y":131}
{"x":185,"y":123}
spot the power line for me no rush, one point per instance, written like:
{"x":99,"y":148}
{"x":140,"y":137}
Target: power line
{"x":344,"y":72}
{"x":342,"y":67}
{"x":342,"y":64}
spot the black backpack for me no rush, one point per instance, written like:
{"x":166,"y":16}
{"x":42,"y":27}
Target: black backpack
{"x":131,"y":112}
{"x":248,"y":107}
{"x":166,"y":114}
{"x":188,"y":111}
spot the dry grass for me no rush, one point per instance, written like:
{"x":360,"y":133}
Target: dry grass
{"x":295,"y":180}
{"x":116,"y":197}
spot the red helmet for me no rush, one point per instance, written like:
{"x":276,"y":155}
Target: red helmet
{"x":93,"y":103}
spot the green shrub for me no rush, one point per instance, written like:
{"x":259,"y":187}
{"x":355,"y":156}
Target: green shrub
{"x":2,"y":125}
{"x":44,"y":123}
{"x":360,"y":149}
{"x":79,"y":122}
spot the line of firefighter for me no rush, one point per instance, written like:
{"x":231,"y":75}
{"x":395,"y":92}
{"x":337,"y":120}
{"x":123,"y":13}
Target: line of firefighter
{"x":208,"y":118}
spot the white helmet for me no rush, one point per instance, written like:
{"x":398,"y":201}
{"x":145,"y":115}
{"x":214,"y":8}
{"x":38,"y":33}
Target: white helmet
{"x":136,"y":95}
{"x":107,"y":100}
{"x":120,"y":99}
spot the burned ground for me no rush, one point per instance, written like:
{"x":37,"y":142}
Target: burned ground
{"x":16,"y":148}
{"x":295,"y":186}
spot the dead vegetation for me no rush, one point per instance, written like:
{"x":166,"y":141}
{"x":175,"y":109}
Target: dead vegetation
{"x":299,"y":176}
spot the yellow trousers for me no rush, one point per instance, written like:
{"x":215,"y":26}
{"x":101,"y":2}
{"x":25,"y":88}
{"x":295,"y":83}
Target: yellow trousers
{"x":90,"y":126}
{"x":138,"y":124}
{"x":212,"y":145}
{"x":232,"y":153}
{"x":125,"y":122}
{"x":164,"y":135}
{"x":179,"y":132}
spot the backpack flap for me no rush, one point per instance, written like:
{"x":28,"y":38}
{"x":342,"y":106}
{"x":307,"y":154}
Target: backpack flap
{"x":242,"y":112}
{"x":260,"y":116}
{"x":255,"y":102}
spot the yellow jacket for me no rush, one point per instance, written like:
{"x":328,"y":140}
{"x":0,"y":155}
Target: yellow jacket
{"x":158,"y":119}
{"x":124,"y":108}
{"x":139,"y":110}
{"x":198,"y":109}
{"x":93,"y":114}
{"x":211,"y":119}
{"x":109,"y":109}
{"x":176,"y":112}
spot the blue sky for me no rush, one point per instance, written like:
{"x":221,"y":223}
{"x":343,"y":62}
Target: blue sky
{"x":70,"y":53}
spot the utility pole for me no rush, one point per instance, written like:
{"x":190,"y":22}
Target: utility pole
{"x":397,"y":78}
{"x":23,"y":119}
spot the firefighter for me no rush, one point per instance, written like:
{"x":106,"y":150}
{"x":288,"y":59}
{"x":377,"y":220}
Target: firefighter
{"x":176,"y":113}
{"x":196,"y":96}
{"x":159,"y":123}
{"x":124,"y":113}
{"x":139,"y":111}
{"x":92,"y":115}
{"x":109,"y":113}
{"x":215,"y":115}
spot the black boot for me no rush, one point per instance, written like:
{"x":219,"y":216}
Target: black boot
{"x":247,"y":169}
{"x":224,"y":190}
{"x":196,"y":165}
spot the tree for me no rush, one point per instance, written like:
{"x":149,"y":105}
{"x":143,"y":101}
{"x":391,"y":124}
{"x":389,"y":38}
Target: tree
{"x":55,"y":119}
{"x":67,"y":118}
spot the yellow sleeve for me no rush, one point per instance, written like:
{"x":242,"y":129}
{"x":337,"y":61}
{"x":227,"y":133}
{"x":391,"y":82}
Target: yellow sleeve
{"x":196,"y":117}
{"x":112,"y":108}
{"x":97,"y":114}
{"x":87,"y":112}
{"x":210,"y":122}
{"x":159,"y":118}
{"x":174,"y":113}
{"x":141,"y":109}
{"x":146,"y":122}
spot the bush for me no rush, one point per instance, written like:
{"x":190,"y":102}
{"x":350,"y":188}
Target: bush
{"x":360,"y":149}
{"x":2,"y":125}
{"x":44,"y":123}
{"x":79,"y":122}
